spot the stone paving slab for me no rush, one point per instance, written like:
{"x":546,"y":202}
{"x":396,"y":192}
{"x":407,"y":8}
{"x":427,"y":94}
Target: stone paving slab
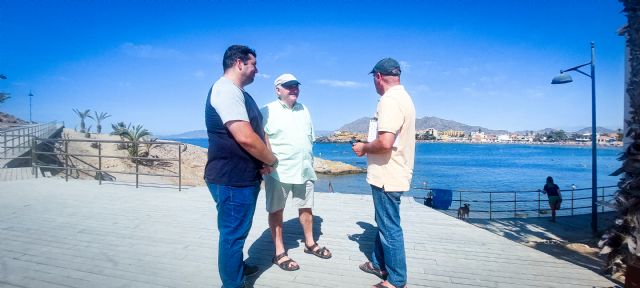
{"x":13,"y":174}
{"x":79,"y":234}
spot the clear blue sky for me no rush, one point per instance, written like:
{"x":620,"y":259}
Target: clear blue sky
{"x":486,"y":63}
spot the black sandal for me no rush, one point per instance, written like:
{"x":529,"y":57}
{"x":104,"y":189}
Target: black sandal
{"x":285,"y":264}
{"x":320,"y":252}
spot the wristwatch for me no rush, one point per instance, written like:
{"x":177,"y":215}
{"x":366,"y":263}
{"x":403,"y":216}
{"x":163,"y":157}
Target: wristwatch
{"x":272,"y":165}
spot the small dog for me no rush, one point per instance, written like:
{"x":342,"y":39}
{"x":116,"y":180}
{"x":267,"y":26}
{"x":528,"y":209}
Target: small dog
{"x":463,"y":212}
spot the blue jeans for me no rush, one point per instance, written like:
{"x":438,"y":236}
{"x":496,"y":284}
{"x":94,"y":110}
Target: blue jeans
{"x":388,"y":251}
{"x":235,"y":206}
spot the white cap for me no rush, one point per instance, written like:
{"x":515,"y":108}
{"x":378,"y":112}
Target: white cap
{"x":286,"y":79}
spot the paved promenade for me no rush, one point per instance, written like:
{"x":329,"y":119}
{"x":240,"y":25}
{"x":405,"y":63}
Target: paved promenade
{"x":79,"y":234}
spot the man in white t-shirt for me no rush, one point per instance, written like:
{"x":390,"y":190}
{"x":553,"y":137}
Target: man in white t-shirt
{"x":237,"y":155}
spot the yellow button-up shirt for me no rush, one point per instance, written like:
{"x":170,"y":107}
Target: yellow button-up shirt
{"x":396,"y":114}
{"x":291,"y":136}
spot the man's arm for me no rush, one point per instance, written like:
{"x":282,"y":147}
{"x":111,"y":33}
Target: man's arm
{"x":250,"y":141}
{"x":382,"y":144}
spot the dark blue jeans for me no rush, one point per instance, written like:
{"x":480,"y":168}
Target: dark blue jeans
{"x":388,"y":251}
{"x":235,"y":206}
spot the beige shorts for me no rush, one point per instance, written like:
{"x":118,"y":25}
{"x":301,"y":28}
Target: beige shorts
{"x":277,"y":193}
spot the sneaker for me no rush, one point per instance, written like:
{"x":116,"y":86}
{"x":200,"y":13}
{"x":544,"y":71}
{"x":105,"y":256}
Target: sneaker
{"x":250,"y":270}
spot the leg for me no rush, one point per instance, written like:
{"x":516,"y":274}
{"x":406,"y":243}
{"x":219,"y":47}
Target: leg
{"x":302,"y":195}
{"x":275,"y":224}
{"x":553,"y":206}
{"x":236,"y":206}
{"x":377,"y":255}
{"x":390,"y":236}
{"x":276,"y":194}
{"x":306,"y":220}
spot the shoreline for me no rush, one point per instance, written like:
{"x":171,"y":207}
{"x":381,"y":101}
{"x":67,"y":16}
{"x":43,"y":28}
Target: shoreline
{"x":573,"y":144}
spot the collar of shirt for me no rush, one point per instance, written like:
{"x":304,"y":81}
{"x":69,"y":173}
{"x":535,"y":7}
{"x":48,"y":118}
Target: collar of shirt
{"x":296,"y":105}
{"x":392,"y":89}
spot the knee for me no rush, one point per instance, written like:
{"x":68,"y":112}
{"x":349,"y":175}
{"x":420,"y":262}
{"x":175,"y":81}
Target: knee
{"x":276,"y":214}
{"x":305,"y":211}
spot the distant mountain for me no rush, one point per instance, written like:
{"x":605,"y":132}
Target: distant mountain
{"x":587,"y":130}
{"x":190,"y":134}
{"x":362,"y":126}
{"x":359,"y":126}
{"x":320,"y":133}
{"x":443,"y":124}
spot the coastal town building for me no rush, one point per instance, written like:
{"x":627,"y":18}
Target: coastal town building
{"x":432,"y":134}
{"x":478,"y":137}
{"x":504,"y":138}
{"x":432,"y":131}
{"x":453,"y":133}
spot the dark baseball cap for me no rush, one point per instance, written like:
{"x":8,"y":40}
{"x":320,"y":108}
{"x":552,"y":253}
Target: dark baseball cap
{"x":387,"y":66}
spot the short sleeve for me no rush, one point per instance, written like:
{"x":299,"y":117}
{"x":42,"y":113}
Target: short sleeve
{"x":265,"y":116}
{"x":390,"y":118}
{"x":228,"y":100}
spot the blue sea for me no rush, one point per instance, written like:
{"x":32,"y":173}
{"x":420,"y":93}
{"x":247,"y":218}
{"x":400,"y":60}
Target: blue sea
{"x":478,"y":167}
{"x":512,"y":174}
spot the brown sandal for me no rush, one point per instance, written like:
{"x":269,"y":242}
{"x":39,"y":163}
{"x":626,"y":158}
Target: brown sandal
{"x":381,"y":285}
{"x":368,"y":267}
{"x":320,"y":252}
{"x":284,"y":265}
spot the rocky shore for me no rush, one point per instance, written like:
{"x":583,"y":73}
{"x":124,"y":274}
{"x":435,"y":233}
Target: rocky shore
{"x":193,"y":159}
{"x":8,"y":120}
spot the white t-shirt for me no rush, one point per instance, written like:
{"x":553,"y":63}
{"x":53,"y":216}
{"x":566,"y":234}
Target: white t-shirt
{"x":228,"y":100}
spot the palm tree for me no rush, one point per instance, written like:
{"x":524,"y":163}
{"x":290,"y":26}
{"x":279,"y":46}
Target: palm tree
{"x":135,"y":135}
{"x":82,"y":116}
{"x":622,"y":241}
{"x":87,"y":134}
{"x":4,"y":96}
{"x":119,"y":128}
{"x":99,"y":118}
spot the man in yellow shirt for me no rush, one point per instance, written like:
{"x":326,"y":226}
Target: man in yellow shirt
{"x":390,"y":159}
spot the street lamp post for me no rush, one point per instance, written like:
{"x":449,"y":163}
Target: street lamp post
{"x":30,"y":97}
{"x":566,"y":78}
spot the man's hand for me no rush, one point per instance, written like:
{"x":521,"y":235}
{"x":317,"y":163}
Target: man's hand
{"x":358,"y":148}
{"x":266,"y":170}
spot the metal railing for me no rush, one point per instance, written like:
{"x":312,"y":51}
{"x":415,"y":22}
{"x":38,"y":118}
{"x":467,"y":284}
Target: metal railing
{"x":17,"y":140}
{"x":502,"y":204}
{"x":72,"y":164}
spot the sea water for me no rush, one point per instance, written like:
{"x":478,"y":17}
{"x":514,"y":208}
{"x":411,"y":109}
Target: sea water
{"x":502,"y":178}
{"x":478,"y":167}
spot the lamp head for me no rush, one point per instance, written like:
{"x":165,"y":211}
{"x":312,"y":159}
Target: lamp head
{"x":562,"y":78}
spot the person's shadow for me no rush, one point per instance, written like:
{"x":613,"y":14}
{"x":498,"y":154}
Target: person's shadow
{"x":366,"y":239}
{"x":262,"y":250}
